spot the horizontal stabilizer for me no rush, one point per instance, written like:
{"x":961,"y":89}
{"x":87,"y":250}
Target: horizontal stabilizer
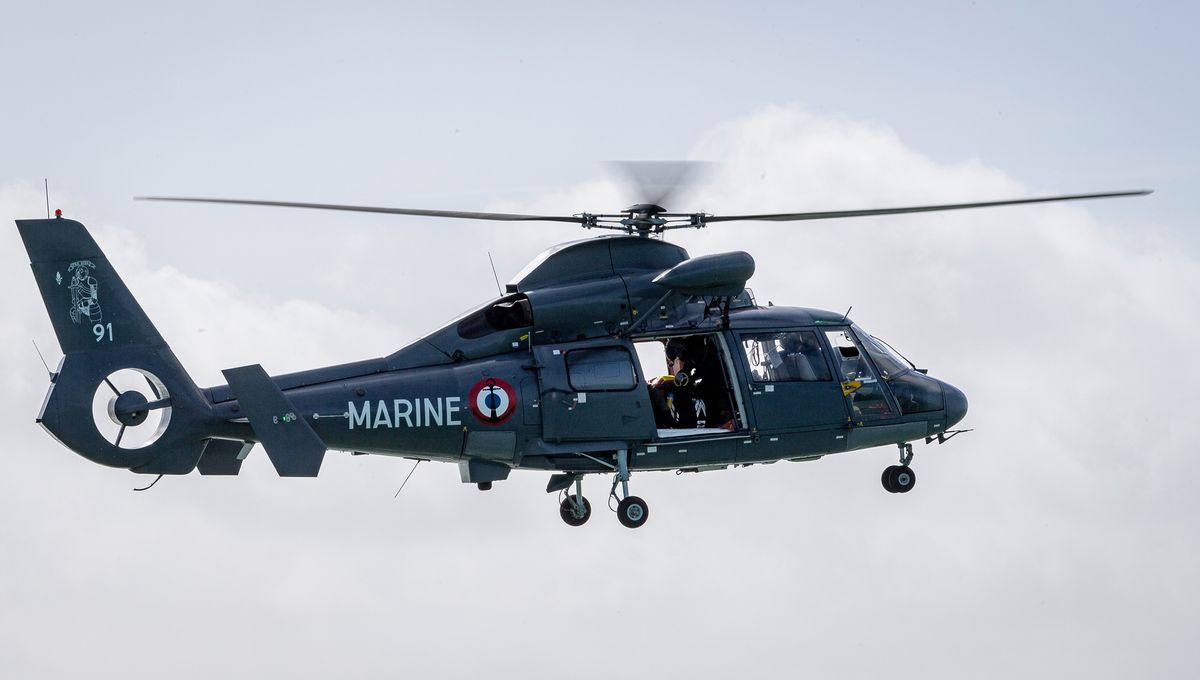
{"x":293,"y":446}
{"x":223,"y":456}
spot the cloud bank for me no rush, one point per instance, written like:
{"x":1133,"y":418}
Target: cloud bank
{"x":1055,"y":539}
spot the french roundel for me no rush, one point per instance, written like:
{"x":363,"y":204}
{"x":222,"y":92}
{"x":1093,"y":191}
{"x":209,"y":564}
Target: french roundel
{"x":492,"y":401}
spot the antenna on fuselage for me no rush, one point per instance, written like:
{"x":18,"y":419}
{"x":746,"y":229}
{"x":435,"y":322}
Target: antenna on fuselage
{"x":410,"y":474}
{"x":46,"y":365}
{"x":495,"y":275}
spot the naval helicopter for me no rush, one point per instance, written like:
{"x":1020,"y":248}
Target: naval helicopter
{"x":546,"y":376}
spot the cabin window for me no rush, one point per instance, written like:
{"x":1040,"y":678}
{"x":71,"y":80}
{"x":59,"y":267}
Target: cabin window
{"x":605,"y":369}
{"x":789,"y":356}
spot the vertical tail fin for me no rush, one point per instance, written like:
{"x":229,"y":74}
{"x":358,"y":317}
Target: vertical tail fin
{"x":89,"y":305}
{"x":103,"y":331}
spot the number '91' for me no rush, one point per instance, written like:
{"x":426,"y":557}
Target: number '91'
{"x":101,"y":330}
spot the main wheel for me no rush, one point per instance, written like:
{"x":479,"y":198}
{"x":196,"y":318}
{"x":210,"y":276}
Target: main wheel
{"x":633,"y":512}
{"x":899,"y":479}
{"x":568,"y":512}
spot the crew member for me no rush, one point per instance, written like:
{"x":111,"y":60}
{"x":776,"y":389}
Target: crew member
{"x":672,"y":396}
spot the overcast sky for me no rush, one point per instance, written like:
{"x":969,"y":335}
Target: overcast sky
{"x":1057,"y":539}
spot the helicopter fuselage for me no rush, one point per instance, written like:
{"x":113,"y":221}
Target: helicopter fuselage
{"x":502,"y":388}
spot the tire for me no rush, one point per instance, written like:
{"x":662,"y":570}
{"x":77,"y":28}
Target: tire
{"x":886,"y":478}
{"x":567,"y":512}
{"x":904,"y":479}
{"x":632,"y":512}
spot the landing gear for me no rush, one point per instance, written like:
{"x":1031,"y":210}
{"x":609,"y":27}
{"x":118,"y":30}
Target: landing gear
{"x":575,"y":509}
{"x":900,"y":478}
{"x":632,"y":511}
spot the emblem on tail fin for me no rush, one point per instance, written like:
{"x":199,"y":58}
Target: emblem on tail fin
{"x":85,"y":292}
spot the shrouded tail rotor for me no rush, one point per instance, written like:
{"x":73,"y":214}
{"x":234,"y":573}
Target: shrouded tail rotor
{"x":131,"y":408}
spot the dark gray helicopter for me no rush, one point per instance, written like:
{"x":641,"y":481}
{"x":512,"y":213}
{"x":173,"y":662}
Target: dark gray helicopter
{"x":545,"y":377}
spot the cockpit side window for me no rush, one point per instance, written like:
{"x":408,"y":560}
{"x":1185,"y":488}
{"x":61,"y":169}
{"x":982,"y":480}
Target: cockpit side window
{"x":786,"y":357}
{"x":859,"y":381}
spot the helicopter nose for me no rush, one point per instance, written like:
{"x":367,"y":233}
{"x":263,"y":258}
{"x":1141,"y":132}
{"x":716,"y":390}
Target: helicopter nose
{"x":956,"y":404}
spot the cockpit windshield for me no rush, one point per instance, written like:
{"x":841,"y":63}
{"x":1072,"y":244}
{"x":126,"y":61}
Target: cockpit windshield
{"x":889,"y":363}
{"x":914,"y":392}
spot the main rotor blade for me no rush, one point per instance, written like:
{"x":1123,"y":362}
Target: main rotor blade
{"x":656,"y":182}
{"x":793,"y":217}
{"x":505,"y":217}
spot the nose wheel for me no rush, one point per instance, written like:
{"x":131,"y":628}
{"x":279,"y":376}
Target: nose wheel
{"x":900,"y":478}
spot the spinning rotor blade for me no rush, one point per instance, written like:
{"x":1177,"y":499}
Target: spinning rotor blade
{"x":794,"y":217}
{"x":504,"y":217}
{"x":655,"y":182}
{"x":153,"y":387}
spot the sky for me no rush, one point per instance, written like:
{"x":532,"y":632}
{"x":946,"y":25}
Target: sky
{"x":1057,"y":538}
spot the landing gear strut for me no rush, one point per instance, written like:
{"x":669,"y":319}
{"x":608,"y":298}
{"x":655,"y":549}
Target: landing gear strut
{"x":900,"y":478}
{"x":632,"y":511}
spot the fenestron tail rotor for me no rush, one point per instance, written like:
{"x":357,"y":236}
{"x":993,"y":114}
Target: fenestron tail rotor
{"x":131,"y":408}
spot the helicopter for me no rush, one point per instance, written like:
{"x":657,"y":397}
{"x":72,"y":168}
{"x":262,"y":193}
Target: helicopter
{"x":546,"y":377}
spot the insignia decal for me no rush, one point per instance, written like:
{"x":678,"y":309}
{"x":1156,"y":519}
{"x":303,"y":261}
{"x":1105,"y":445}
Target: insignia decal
{"x":85,"y":292}
{"x":492,"y":401}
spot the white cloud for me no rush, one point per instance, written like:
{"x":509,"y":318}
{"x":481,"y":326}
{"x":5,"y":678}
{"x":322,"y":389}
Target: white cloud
{"x":1051,"y":538}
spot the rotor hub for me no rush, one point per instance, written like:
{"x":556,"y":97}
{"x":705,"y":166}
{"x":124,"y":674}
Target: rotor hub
{"x":644,"y":209}
{"x":128,"y":408}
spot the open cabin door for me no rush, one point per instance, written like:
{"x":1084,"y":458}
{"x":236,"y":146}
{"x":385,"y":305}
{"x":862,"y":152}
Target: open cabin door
{"x":592,"y":390}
